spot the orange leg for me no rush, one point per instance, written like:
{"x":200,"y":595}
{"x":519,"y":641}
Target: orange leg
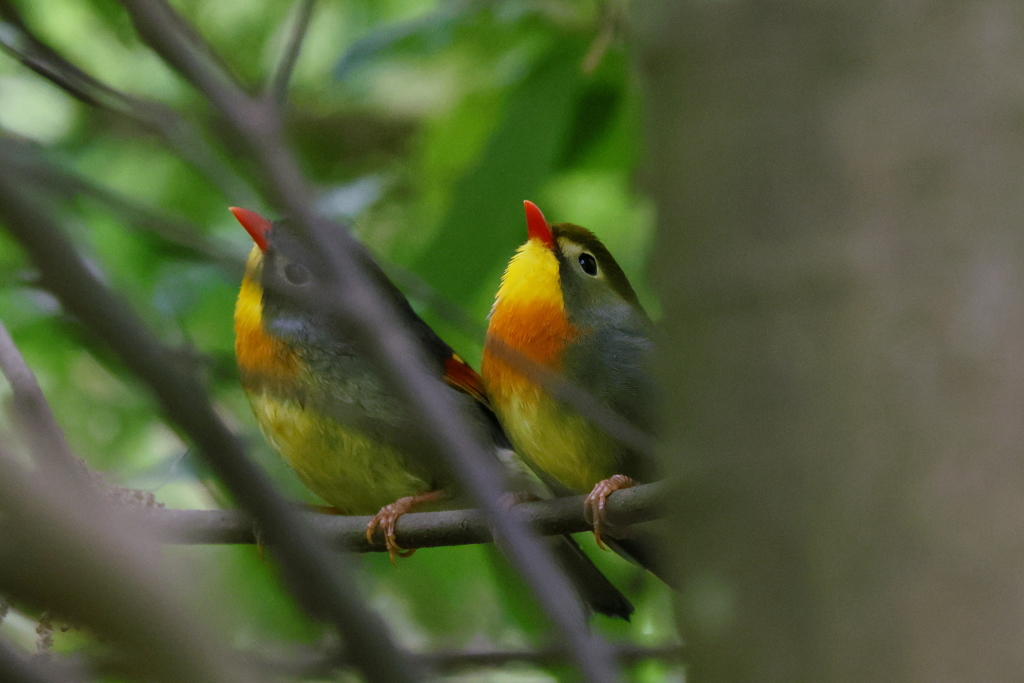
{"x":388,"y":516}
{"x":593,"y":505}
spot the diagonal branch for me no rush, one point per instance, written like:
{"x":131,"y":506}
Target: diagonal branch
{"x":351,"y":301}
{"x":555,"y":383}
{"x":38,"y":425}
{"x":277,"y":87}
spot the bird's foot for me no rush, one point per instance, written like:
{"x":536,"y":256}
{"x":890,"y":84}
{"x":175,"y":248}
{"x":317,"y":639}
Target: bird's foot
{"x":593,"y":504}
{"x":388,"y":517}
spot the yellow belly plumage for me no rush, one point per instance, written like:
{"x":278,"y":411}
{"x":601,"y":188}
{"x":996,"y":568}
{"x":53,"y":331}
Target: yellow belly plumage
{"x":529,"y":317}
{"x":558,"y":441}
{"x":349,"y":471}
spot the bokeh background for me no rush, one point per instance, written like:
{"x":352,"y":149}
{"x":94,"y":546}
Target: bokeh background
{"x":828,"y":197}
{"x":424,"y":125}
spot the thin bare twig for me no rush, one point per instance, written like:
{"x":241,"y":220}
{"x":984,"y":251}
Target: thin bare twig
{"x":583,"y":401}
{"x":354,"y":304}
{"x":38,"y":425}
{"x":277,"y":86}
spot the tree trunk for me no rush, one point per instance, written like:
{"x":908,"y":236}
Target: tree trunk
{"x":840,"y":262}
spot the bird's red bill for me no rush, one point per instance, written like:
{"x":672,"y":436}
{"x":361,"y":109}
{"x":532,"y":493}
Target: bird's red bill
{"x":537,"y":225}
{"x":256,"y":225}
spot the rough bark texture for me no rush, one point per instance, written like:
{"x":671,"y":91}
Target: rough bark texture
{"x":840,"y":261}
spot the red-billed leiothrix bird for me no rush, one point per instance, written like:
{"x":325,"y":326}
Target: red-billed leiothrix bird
{"x":565,"y":304}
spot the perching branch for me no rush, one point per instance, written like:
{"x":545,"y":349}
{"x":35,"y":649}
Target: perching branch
{"x":351,"y":302}
{"x":316,"y":663}
{"x":415,"y":530}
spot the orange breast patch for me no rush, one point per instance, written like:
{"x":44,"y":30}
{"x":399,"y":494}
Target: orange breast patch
{"x":537,"y":329}
{"x":258,"y":352}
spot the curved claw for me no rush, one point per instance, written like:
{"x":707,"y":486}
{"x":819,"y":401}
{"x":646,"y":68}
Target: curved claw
{"x":388,"y":517}
{"x":593,"y":504}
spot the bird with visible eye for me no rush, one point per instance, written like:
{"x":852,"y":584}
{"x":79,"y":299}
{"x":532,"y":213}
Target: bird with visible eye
{"x":327,"y":409}
{"x":588,"y":263}
{"x":565,"y":304}
{"x":296,"y":274}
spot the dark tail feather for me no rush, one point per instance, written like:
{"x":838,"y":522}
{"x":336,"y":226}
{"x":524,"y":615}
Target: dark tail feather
{"x":641,"y":549}
{"x":594,"y":587}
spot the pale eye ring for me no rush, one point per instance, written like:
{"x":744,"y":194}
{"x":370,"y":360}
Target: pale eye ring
{"x":588,"y":263}
{"x":296,"y":274}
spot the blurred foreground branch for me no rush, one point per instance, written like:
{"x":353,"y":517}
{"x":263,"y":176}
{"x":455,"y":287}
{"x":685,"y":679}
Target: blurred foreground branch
{"x":37,"y":424}
{"x":277,"y":86}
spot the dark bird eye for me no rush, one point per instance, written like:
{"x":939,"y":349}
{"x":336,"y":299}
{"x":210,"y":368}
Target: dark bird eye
{"x":588,"y":263}
{"x":296,"y":274}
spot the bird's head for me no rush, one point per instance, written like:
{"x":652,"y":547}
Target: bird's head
{"x":566,"y":267}
{"x":268,"y":322}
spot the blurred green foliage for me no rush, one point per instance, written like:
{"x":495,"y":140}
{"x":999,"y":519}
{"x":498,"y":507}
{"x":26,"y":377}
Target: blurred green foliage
{"x":426,"y":123}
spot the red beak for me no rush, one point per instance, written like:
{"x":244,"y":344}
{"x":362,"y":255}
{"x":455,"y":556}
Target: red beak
{"x":256,"y":225}
{"x":537,"y":226}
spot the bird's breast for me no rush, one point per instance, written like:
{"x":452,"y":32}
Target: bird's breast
{"x":349,"y":468}
{"x":259,"y":354}
{"x":536,"y":331}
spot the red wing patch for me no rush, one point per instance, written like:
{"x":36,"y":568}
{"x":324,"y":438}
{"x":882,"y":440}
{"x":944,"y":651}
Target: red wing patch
{"x":458,"y":374}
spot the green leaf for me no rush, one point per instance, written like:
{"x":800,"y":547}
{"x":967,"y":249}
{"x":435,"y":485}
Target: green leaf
{"x":485,"y":221}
